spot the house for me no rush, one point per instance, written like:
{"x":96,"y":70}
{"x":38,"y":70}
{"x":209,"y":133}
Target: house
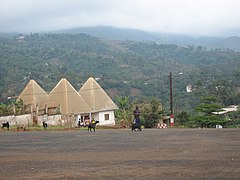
{"x":65,"y":100}
{"x":231,"y":108}
{"x":68,"y":101}
{"x":67,"y":106}
{"x":34,"y":96}
{"x":189,"y":88}
{"x":102,"y":105}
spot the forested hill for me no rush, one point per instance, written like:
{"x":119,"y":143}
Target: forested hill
{"x":113,"y":33}
{"x":130,"y":68}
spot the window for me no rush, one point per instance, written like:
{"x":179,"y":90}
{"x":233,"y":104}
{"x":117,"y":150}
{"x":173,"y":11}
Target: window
{"x":106,"y":116}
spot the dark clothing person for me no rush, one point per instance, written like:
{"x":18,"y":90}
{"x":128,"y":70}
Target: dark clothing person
{"x":136,"y":114}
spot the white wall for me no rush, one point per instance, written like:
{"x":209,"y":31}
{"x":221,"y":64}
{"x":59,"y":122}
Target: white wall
{"x":101,"y":118}
{"x":54,"y":120}
{"x":25,"y":119}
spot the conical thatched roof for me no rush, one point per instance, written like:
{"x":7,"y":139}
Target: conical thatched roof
{"x":33,"y":94}
{"x":97,"y":98}
{"x":68,"y":98}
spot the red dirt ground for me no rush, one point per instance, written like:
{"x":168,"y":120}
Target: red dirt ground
{"x":121,"y":154}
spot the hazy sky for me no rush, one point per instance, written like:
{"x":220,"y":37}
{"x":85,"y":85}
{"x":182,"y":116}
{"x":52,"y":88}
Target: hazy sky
{"x":192,"y":17}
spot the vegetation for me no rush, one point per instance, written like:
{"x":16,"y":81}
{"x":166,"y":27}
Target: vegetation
{"x":151,"y":111}
{"x":14,"y":107}
{"x":133,"y":71}
{"x":124,"y":113}
{"x":207,"y":113}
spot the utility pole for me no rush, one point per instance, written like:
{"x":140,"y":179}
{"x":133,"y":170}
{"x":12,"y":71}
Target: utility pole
{"x":171,"y":102}
{"x":171,"y":99}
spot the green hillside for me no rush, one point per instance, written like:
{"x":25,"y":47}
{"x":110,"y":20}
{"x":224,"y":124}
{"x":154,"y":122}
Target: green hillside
{"x":113,"y":33}
{"x":125,"y":68}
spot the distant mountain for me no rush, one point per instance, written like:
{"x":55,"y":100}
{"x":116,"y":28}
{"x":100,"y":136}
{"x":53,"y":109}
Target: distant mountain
{"x":232,"y":43}
{"x":112,"y":33}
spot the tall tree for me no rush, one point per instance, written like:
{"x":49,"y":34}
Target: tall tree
{"x":208,"y":113}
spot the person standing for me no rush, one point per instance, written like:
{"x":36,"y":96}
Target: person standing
{"x":136,"y":114}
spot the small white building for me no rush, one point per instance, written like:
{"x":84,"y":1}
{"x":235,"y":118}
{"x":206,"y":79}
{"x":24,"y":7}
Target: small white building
{"x":189,"y":88}
{"x":231,"y":108}
{"x":102,"y":105}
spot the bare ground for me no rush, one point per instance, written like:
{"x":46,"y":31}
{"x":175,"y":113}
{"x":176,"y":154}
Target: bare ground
{"x":121,"y":154}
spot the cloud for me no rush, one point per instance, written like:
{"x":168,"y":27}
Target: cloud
{"x":195,"y":17}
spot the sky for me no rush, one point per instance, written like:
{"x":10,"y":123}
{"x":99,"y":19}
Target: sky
{"x":219,"y":18}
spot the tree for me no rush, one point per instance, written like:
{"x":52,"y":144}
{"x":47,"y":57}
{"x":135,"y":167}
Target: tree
{"x":207,"y":113}
{"x":13,"y":107}
{"x":152,"y":113}
{"x":182,"y":119}
{"x":124,"y":112}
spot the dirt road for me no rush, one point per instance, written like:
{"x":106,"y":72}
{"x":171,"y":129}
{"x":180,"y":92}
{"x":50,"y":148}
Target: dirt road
{"x":121,"y":154}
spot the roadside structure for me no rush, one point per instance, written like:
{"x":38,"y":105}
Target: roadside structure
{"x":102,"y":105}
{"x":65,"y":100}
{"x":65,"y":106}
{"x":33,"y":95}
{"x":35,"y":98}
{"x":68,"y":101}
{"x":231,"y":108}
